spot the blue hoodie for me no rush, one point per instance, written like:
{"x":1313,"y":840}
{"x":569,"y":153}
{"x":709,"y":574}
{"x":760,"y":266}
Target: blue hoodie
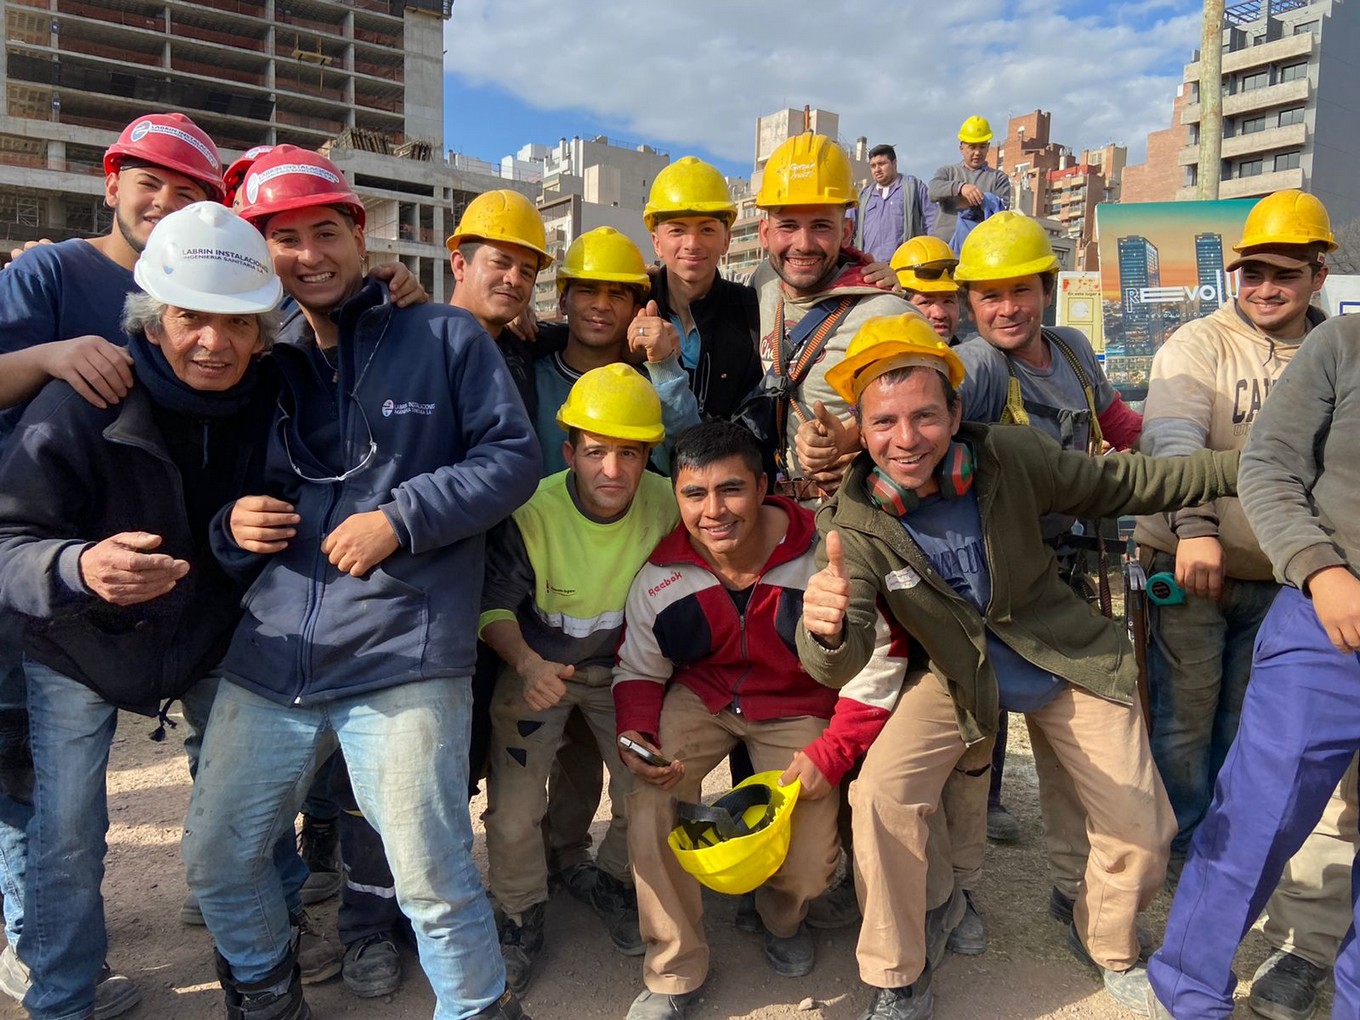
{"x":453,"y":453}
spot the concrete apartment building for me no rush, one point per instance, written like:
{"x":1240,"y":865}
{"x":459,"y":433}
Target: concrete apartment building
{"x":588,"y":183}
{"x":1052,"y":184}
{"x":361,"y":79}
{"x":1291,"y":109}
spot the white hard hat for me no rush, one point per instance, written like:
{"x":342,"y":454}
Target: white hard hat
{"x":207,"y":259}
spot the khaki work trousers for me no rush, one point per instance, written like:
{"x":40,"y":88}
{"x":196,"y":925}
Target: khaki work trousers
{"x":524,"y":746}
{"x":958,"y":827}
{"x":670,"y":908}
{"x":1311,"y":908}
{"x":1105,"y":750}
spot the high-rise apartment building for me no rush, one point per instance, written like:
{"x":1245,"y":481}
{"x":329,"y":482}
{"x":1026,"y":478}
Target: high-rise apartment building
{"x":361,"y":79}
{"x":1139,"y":268}
{"x":1291,"y":107}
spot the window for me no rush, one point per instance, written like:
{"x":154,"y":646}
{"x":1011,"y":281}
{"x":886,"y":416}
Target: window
{"x":1294,"y":72}
{"x":1255,"y":80}
{"x":1191,"y":176}
{"x":1193,"y":134}
{"x":1249,"y":168}
{"x":1252,"y":125}
{"x":1294,"y":116}
{"x":1306,"y":28}
{"x":1287,"y":161}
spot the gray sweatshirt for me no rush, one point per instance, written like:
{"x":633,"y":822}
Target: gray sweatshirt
{"x":945,"y":186}
{"x":1300,"y":474}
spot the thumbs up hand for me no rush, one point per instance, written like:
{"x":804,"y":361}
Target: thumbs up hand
{"x":828,"y":596}
{"x":650,"y":333}
{"x":821,"y":442}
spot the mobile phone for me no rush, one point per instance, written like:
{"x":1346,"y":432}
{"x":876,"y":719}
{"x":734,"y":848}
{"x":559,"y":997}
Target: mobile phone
{"x":647,"y":755}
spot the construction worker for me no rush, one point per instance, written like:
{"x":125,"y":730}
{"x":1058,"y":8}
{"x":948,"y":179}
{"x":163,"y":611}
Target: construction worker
{"x":925,"y":265}
{"x":938,"y":520}
{"x":104,"y":513}
{"x":1297,"y":736}
{"x":968,"y":192}
{"x":893,"y":207}
{"x":706,"y":662}
{"x":689,"y":213}
{"x":61,"y":309}
{"x":558,"y":640}
{"x":399,"y":441}
{"x":602,"y":287}
{"x":1208,"y":383}
{"x":813,"y":295}
{"x":1021,"y":372}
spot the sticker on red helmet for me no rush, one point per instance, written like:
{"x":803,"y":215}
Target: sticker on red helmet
{"x":257,"y":180}
{"x":148,"y":127}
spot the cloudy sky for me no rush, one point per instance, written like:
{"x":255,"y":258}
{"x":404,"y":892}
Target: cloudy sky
{"x":691,"y":76}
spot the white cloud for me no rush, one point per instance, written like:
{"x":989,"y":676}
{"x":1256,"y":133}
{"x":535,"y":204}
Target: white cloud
{"x":700,"y":72}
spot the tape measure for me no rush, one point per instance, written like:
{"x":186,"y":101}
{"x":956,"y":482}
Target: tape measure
{"x":1163,"y":590}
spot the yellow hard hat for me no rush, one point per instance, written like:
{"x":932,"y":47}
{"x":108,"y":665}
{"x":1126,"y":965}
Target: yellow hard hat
{"x":975,"y":131}
{"x":689,"y":186}
{"x":604,"y":254}
{"x":888,"y":342}
{"x":615,"y":401}
{"x":739,"y":841}
{"x":1003,"y":247}
{"x":503,"y":216}
{"x":1287,"y":218}
{"x":807,"y":170}
{"x":925,"y":263}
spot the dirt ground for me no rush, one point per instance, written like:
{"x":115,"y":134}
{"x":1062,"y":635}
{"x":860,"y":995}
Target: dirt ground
{"x":1026,"y":974}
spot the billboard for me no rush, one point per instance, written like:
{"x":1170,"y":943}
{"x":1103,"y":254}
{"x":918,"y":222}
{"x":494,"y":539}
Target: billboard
{"x":1161,"y":264}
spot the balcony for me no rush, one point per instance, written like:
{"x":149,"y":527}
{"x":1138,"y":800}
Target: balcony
{"x":1289,"y":93}
{"x":1272,"y":140}
{"x":1279,"y":51}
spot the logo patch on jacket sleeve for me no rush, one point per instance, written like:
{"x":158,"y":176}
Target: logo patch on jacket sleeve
{"x":902,"y":580}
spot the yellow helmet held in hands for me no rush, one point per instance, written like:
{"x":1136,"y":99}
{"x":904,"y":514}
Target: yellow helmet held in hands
{"x":604,"y":254}
{"x":1003,"y":247}
{"x":615,"y":401}
{"x":807,"y":169}
{"x":506,"y":216}
{"x":689,"y":187}
{"x":975,"y":131}
{"x":887,"y":342}
{"x":1288,"y":217}
{"x":735,"y":844}
{"x":925,"y":264}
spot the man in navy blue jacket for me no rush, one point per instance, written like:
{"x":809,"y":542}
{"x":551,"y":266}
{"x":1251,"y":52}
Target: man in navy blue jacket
{"x":399,"y":441}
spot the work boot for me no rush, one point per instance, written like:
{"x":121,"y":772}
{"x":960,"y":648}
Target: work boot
{"x":940,"y":923}
{"x":1060,"y":907}
{"x":1001,"y":824}
{"x":616,"y":904}
{"x":114,"y":994}
{"x":189,"y":912}
{"x":318,"y":957}
{"x":507,"y":1007}
{"x":521,"y":946}
{"x":1129,"y":987}
{"x":578,"y":879}
{"x":913,"y":1002}
{"x":319,"y":845}
{"x":837,"y":907}
{"x":263,"y":1000}
{"x":1155,"y":1009}
{"x":660,"y":1006}
{"x":372,"y":966}
{"x":969,"y":937}
{"x":1286,"y":986}
{"x":747,"y":918}
{"x":791,"y":956}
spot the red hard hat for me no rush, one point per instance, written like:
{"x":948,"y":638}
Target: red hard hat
{"x":236,"y":173}
{"x":287,"y":177}
{"x":172,"y":141}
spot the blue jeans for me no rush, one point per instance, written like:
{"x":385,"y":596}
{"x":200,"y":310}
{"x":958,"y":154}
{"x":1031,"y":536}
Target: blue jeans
{"x":64,"y":941}
{"x":16,"y":776}
{"x":406,"y":748}
{"x":1300,"y":730}
{"x":1199,"y":660}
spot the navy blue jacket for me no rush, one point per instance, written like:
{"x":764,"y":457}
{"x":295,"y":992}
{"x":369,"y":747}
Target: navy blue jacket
{"x":75,"y":474}
{"x":453,"y":455}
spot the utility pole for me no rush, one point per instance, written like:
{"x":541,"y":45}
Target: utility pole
{"x":1211,"y":102}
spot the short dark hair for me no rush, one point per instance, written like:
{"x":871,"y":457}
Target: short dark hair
{"x":951,"y":395}
{"x":1048,"y":280}
{"x":468,"y":248}
{"x":883,"y":150}
{"x":706,"y":444}
{"x":639,"y":294}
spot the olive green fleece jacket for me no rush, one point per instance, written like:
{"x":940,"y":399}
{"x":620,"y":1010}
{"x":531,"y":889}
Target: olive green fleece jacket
{"x":1020,"y":474}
